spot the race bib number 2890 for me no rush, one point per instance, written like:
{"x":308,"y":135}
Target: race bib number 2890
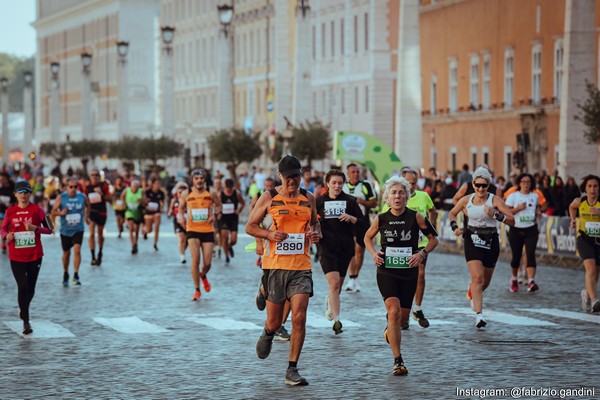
{"x":294,"y":244}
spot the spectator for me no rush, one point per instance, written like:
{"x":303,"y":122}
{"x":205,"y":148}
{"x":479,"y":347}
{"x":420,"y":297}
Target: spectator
{"x":465,"y":176}
{"x":558,"y":197}
{"x":571,"y":190}
{"x":448,"y":193}
{"x":436,"y":195}
{"x":546,"y":191}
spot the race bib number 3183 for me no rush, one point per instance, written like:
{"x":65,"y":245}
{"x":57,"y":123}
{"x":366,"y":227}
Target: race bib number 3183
{"x":333,"y":209}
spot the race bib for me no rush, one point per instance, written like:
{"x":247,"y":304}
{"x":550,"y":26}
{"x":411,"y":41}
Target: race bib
{"x":397,"y":257}
{"x":52,"y":201}
{"x":527,"y":217}
{"x":481,"y":243}
{"x":153,"y":206}
{"x":199,"y":214}
{"x":5,"y":200}
{"x":333,"y":209}
{"x":228,"y":208}
{"x":132,"y":206}
{"x":592,"y":229}
{"x":294,"y":244}
{"x":73,"y":219}
{"x":94,"y":198}
{"x":24,"y":239}
{"x":119,"y":204}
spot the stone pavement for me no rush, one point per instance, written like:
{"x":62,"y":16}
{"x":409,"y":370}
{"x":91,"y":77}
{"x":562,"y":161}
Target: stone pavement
{"x":131,"y":332}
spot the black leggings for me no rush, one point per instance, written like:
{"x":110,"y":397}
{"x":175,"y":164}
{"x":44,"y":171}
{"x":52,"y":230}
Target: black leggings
{"x":517,"y":237}
{"x":26,"y":274}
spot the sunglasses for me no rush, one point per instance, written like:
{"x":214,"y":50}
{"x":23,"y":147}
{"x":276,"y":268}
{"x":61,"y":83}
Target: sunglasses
{"x":94,"y":174}
{"x":481,"y":185}
{"x":72,"y":187}
{"x":23,"y":191}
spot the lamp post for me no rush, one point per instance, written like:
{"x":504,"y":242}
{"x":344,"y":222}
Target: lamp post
{"x":168,"y":117}
{"x":28,"y":111}
{"x":55,"y":103}
{"x":4,"y":100}
{"x":302,"y":89}
{"x":86,"y":116}
{"x":226,"y":107}
{"x":122,"y":49}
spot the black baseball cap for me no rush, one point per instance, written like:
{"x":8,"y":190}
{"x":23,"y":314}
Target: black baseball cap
{"x":22,"y":187}
{"x":289,"y":166}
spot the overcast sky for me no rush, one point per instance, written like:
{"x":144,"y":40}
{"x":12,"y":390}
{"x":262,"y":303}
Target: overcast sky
{"x":17,"y":36}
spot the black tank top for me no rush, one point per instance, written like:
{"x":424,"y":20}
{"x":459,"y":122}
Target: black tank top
{"x":229,"y":203}
{"x":399,"y":240}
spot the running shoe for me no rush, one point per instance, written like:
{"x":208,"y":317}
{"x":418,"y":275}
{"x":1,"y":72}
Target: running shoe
{"x":596,"y":305}
{"x":65,"y":279}
{"x":145,"y":236}
{"x":468,"y":295}
{"x":219,"y":253}
{"x":356,"y":286}
{"x":293,"y":378}
{"x":282,"y":335}
{"x":420,"y":318}
{"x":385,"y":336}
{"x":264,"y":344}
{"x":261,"y":302}
{"x":586,"y":303}
{"x":206,"y":284}
{"x":399,"y":368}
{"x":183,"y":259}
{"x":231,"y":253}
{"x":94,"y":262}
{"x":350,"y":286}
{"x":196,"y":296}
{"x":337,"y":327}
{"x":134,"y":249}
{"x":479,"y":321}
{"x":522,"y":278}
{"x":406,"y":325}
{"x":532,"y":287}
{"x":328,"y":313}
{"x":514,"y":285}
{"x":76,"y":281}
{"x":27,"y":328}
{"x":155,"y":248}
{"x":227,"y":260}
{"x":99,"y":259}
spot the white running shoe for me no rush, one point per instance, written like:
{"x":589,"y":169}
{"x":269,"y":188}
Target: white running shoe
{"x":479,"y":321}
{"x":328,"y":313}
{"x":350,"y":286}
{"x":356,"y":286}
{"x":586,"y":303}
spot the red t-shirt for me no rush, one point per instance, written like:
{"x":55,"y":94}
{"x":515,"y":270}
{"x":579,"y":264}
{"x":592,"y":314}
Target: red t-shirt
{"x":26,"y":246}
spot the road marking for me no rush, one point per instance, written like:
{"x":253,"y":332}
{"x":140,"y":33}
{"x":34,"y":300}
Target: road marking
{"x":42,"y":329}
{"x":580,"y":316}
{"x":502,"y":317}
{"x":224,"y":324}
{"x":130,"y":325}
{"x":319,"y":321}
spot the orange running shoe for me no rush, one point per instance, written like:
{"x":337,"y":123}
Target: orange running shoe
{"x":196,"y":296}
{"x":469,"y":297}
{"x":206,"y":284}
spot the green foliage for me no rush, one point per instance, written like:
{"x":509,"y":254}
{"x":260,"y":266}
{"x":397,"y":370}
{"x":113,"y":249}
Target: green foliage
{"x":311,"y":141}
{"x":233,"y":146}
{"x":58,"y":151}
{"x":589,"y":113}
{"x":12,"y":68}
{"x":144,"y":149}
{"x":88,"y":149}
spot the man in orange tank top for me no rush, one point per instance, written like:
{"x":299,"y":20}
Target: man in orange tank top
{"x":286,"y":265}
{"x":197,"y":212}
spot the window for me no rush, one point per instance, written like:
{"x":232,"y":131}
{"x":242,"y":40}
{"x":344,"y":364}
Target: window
{"x":366,"y":31}
{"x":453,"y":159}
{"x":332,"y":39}
{"x":486,"y":155}
{"x":356,"y":33}
{"x":453,"y":85}
{"x":474,"y":81}
{"x":356,"y":99}
{"x":473,"y":158}
{"x":366,"y":99}
{"x":558,"y":69}
{"x":342,"y":36}
{"x":252,"y":53}
{"x":314,"y":42}
{"x":315,"y":104}
{"x":433,"y":157}
{"x":509,"y":65}
{"x":323,"y":103}
{"x":486,"y":81}
{"x":507,"y":160}
{"x":433,"y":95}
{"x":323,"y":42}
{"x":343,"y":101}
{"x":536,"y":73}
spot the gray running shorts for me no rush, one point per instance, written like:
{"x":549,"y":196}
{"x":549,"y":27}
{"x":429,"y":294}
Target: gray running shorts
{"x":280,"y":284}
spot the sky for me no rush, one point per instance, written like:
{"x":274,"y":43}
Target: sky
{"x":17,"y":36}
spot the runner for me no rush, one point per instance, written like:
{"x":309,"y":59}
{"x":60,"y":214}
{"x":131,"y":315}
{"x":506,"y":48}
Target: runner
{"x":200,"y":205}
{"x":7,"y":199}
{"x":398,"y":260}
{"x":21,"y":228}
{"x":233,"y":203}
{"x":366,"y":199}
{"x":154,"y":200}
{"x":73,"y":208}
{"x":588,"y":238}
{"x":286,"y":264}
{"x":132,"y":196}
{"x":179,"y":189}
{"x":217,"y":185}
{"x":118,"y":204}
{"x":482,"y":246}
{"x":526,"y":207}
{"x":337,"y":212}
{"x":98,"y":194}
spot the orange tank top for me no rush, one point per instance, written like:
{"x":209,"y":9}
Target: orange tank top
{"x":199,"y":211}
{"x":291,"y":215}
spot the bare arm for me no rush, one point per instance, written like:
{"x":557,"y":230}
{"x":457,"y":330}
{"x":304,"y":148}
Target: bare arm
{"x":256,"y":217}
{"x":453,"y":214}
{"x":504,"y":209}
{"x":241,"y":201}
{"x":315,"y":226}
{"x":369,"y":235}
{"x":573,"y":207}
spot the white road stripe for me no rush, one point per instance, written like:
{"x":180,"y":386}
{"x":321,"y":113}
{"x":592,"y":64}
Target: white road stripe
{"x":130,"y":325}
{"x":580,"y":316}
{"x":42,"y":329}
{"x":502,"y":317}
{"x":224,"y":324}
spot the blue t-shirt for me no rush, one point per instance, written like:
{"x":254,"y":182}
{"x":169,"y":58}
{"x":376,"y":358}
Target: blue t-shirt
{"x":72,"y":222}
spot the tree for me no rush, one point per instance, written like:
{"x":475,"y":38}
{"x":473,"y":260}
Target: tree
{"x":310,"y":141}
{"x":88,"y":149}
{"x":233,"y":146}
{"x":58,"y":151}
{"x":12,"y":68}
{"x":590,"y":113}
{"x":158,"y":149}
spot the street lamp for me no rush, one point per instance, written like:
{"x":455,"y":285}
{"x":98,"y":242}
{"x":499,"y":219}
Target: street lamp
{"x":167,"y":34}
{"x":54,"y":69}
{"x":4,"y":84}
{"x":4,"y":101}
{"x":55,"y":106}
{"x":225,"y":17}
{"x":28,"y":111}
{"x":302,"y":6}
{"x":86,"y":118}
{"x":86,"y":61}
{"x":27,"y":78}
{"x":122,"y":49}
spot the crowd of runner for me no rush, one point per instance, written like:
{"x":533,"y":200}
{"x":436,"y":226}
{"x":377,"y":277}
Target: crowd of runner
{"x":296,"y":214}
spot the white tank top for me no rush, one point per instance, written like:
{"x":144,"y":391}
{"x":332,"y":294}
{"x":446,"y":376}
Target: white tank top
{"x":478,"y":218}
